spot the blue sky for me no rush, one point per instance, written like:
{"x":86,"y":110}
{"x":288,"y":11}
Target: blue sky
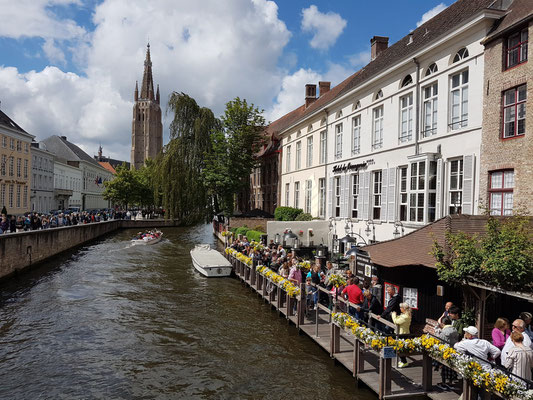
{"x":69,"y":66}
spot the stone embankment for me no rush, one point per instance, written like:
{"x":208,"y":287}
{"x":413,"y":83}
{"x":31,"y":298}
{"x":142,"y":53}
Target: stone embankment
{"x":21,"y":250}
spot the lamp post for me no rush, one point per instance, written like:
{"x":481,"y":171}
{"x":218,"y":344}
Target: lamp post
{"x":277,"y":238}
{"x":396,"y":233}
{"x":368,"y":230}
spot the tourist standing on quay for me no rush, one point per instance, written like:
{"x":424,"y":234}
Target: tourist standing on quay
{"x":519,"y":359}
{"x":403,"y":320}
{"x":518,"y":326}
{"x":500,"y":333}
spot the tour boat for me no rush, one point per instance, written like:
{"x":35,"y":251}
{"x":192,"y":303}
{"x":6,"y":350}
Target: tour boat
{"x":209,"y":262}
{"x":150,"y":237}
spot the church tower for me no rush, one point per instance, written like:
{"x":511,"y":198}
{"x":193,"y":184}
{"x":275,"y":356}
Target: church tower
{"x":147,"y":129}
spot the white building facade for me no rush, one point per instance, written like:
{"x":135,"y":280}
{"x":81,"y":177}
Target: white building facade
{"x":399,"y":144}
{"x":67,"y":186}
{"x":93,"y":178}
{"x":42,"y":179}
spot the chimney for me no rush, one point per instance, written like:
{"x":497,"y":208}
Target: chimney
{"x":377,"y":45}
{"x":323,"y":88}
{"x":310,"y":94}
{"x":64,"y":137}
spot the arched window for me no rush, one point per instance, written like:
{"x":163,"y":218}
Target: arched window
{"x":431,"y":69}
{"x":407,"y":81}
{"x":460,"y":55}
{"x":310,"y":128}
{"x":356,"y":105}
{"x":323,"y":121}
{"x":379,"y":95}
{"x":338,"y":115}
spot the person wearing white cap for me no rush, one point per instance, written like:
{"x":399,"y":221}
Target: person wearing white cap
{"x":472,"y":345}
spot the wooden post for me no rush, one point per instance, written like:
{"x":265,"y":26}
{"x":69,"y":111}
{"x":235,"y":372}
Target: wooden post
{"x":278,"y":303}
{"x":359,"y":361}
{"x":253,"y":277}
{"x":289,"y":305}
{"x":427,"y":373}
{"x":385,"y":368}
{"x":272,"y":294}
{"x":301,"y":305}
{"x":335,"y":342}
{"x":467,"y":389}
{"x":265,"y":284}
{"x":259,"y":282}
{"x":316,"y":319}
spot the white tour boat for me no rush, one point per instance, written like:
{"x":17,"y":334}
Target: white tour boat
{"x":151,"y":237}
{"x":210,"y":262}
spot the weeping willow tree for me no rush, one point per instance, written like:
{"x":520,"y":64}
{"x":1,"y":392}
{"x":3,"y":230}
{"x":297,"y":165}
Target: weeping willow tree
{"x":177,"y":173}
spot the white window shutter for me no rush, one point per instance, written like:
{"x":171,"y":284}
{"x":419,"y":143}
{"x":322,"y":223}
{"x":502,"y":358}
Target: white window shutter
{"x":438,"y":205}
{"x":384,"y":186}
{"x":330,"y":198}
{"x":365,"y":194}
{"x":469,"y":166}
{"x":348,"y":196}
{"x":391,"y":196}
{"x":343,"y":179}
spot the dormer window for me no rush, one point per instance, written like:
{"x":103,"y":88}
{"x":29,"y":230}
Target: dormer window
{"x":460,"y":55}
{"x":379,"y":95}
{"x":431,"y":69}
{"x":407,"y":81}
{"x":516,"y":51}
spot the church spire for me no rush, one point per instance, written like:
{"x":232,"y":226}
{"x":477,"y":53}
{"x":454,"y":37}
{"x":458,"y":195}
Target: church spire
{"x":157,"y":97}
{"x":148,"y":83}
{"x":136,"y":93}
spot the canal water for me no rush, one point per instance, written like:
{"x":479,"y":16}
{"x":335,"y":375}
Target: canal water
{"x":110,"y":321}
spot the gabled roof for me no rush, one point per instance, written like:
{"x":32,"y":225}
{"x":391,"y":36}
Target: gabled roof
{"x":7,"y":122}
{"x":107,"y":166}
{"x":519,"y":11}
{"x":66,"y":150}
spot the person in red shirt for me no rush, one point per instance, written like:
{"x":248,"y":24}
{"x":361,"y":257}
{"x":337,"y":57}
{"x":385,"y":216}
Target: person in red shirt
{"x":355,"y":295}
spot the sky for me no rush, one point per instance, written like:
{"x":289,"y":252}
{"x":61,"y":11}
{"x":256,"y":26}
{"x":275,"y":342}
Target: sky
{"x":69,"y":67}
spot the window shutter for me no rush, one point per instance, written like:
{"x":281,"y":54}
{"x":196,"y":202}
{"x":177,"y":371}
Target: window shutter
{"x":469,"y":166}
{"x":343,"y":178}
{"x":365,"y":193}
{"x":438,"y":203}
{"x":391,"y":197}
{"x":384,"y":186}
{"x":347,"y":196}
{"x":330,"y":198}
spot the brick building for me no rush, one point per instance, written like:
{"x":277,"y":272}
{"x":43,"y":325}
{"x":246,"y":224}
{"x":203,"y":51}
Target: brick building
{"x":506,"y":176}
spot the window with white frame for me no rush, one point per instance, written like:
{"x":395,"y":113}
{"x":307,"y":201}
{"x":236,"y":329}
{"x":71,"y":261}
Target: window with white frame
{"x":377,"y":132}
{"x":377,"y":180}
{"x":431,"y":69}
{"x":11,"y":166}
{"x":355,"y":196}
{"x":298,"y":155}
{"x":422,"y":191}
{"x":322,"y":197}
{"x":308,"y":195}
{"x":19,"y":146}
{"x":406,"y":118}
{"x":25,"y":197}
{"x":501,"y":185}
{"x":19,"y":167}
{"x":287,"y":194}
{"x":18,"y":196}
{"x":337,"y":196}
{"x":455,"y":189}
{"x":356,"y":135}
{"x":309,"y":161}
{"x":4,"y":141}
{"x":3,"y":165}
{"x":460,"y":55}
{"x":323,"y":147}
{"x":296,"y":194}
{"x":430,"y":110}
{"x":338,"y":141}
{"x":288,"y":160}
{"x":404,"y":205}
{"x":459,"y":100}
{"x":432,"y":191}
{"x":11,"y":195}
{"x":516,"y":51}
{"x":514,"y":111}
{"x":410,"y":296}
{"x":3,"y":193}
{"x":12,"y":144}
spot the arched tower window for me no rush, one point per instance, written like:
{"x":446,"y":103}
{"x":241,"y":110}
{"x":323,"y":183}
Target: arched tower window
{"x":460,"y":55}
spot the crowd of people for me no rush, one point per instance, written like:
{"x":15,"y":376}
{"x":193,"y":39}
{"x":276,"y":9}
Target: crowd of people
{"x":511,"y":345}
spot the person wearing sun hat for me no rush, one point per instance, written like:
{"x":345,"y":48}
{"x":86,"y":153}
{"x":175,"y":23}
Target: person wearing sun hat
{"x":472,"y":345}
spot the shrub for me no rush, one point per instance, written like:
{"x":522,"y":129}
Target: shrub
{"x":242,"y":230}
{"x":233,"y":230}
{"x":304,"y":217}
{"x":254,"y":235}
{"x":287,"y":213}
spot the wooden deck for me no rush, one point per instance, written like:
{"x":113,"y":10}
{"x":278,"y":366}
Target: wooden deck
{"x":365,"y":364}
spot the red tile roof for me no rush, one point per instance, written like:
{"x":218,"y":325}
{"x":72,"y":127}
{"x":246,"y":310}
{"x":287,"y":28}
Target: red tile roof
{"x":107,"y":166}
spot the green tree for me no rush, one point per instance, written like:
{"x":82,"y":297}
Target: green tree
{"x":129,"y":187}
{"x":177,"y":173}
{"x":229,"y":164}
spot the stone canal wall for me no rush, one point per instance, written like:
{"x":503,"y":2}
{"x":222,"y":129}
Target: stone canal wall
{"x":24,"y":249}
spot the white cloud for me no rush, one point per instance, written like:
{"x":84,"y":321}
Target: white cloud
{"x":431,"y":13}
{"x":326,"y":27}
{"x":360,"y":59}
{"x":230,"y":49}
{"x":53,"y":53}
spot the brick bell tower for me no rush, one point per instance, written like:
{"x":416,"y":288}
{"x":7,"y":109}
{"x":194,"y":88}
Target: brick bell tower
{"x":147,"y":129}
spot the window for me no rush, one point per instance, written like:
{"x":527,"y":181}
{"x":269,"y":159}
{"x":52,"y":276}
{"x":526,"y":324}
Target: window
{"x":355,"y":196}
{"x":310,"y":151}
{"x":430,"y":110}
{"x":403,"y":194}
{"x":337,"y":197}
{"x":19,"y":167}
{"x":517,"y":48}
{"x":12,"y":144}
{"x":18,"y":196}
{"x":417,"y":190}
{"x":288,"y":160}
{"x":459,"y":100}
{"x":431,"y":69}
{"x":377,"y":132}
{"x":456,"y":186}
{"x":321,"y":197}
{"x":406,"y":118}
{"x":514,"y":111}
{"x":11,"y":166}
{"x":3,"y":193}
{"x":323,"y":147}
{"x":4,"y":141}
{"x":3,"y":166}
{"x":287,"y":193}
{"x":501,"y":184}
{"x":25,"y":147}
{"x":386,"y":296}
{"x":356,"y":106}
{"x":308,"y":193}
{"x":410,"y":296}
{"x":379,"y":95}
{"x":296,"y":194}
{"x":298,"y":155}
{"x":376,"y":194}
{"x":338,"y":141}
{"x":10,"y":199}
{"x":460,"y":55}
{"x":407,"y":81}
{"x":356,"y":135}
{"x":25,"y":198}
